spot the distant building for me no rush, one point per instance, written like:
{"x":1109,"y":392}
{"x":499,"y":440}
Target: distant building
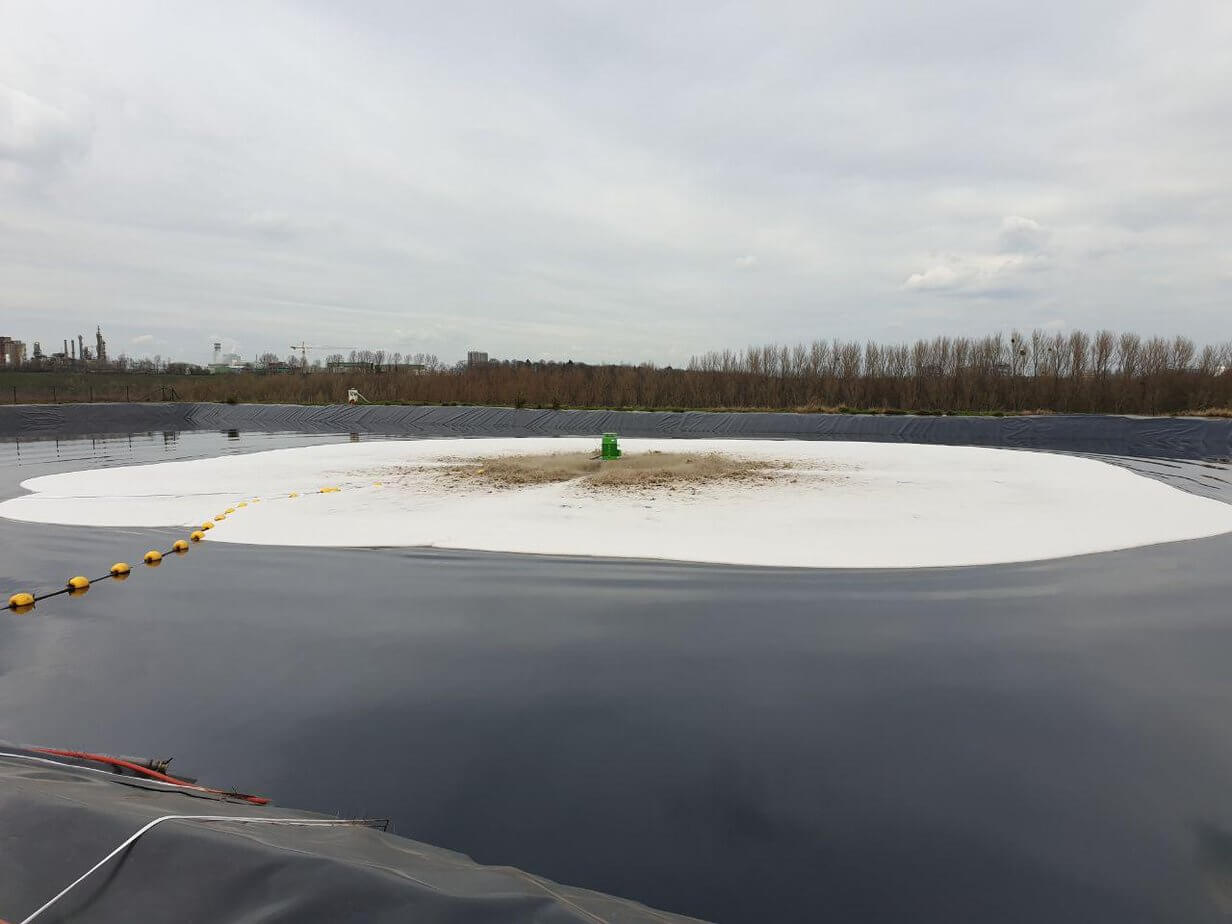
{"x":337,"y":366}
{"x":476,"y":358}
{"x":100,"y":352}
{"x":12,"y":353}
{"x":227,"y":362}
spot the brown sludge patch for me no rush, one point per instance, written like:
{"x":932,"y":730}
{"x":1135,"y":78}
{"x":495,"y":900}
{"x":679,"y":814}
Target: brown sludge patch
{"x":637,"y":470}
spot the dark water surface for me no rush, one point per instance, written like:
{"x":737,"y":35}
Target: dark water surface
{"x":1041,"y":742}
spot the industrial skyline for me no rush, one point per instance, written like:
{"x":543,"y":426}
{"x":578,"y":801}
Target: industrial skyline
{"x":15,"y":353}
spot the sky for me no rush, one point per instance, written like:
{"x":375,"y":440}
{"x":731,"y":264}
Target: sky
{"x":610,"y":181}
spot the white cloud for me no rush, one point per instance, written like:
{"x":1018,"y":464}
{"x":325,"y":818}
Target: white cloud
{"x":36,"y":133}
{"x":1022,"y":235}
{"x":941,"y":276}
{"x":748,"y":261}
{"x":143,"y":339}
{"x":1021,"y":252}
{"x":976,"y":273}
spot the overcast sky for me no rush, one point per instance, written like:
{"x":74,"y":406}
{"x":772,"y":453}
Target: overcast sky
{"x":610,"y":181}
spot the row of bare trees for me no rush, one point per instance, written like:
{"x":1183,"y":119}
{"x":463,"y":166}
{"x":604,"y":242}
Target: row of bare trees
{"x":1074,"y":372}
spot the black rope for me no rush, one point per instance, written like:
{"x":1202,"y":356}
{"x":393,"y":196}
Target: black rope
{"x":56,"y":593}
{"x":69,"y":590}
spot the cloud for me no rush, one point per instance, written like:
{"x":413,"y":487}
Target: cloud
{"x":37,"y":137}
{"x":941,"y":276}
{"x":748,"y":261}
{"x":975,"y":273}
{"x":1021,"y":252}
{"x":1022,"y":235}
{"x":143,"y":339}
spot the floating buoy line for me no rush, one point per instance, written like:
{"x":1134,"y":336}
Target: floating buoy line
{"x":79,"y":585}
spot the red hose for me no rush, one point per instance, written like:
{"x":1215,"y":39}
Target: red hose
{"x":152,"y":774}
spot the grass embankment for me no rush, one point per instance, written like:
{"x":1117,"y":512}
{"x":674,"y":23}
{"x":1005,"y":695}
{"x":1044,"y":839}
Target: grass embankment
{"x":74,"y":387}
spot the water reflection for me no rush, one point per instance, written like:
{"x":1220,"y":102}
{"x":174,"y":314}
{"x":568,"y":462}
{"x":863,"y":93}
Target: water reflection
{"x":54,"y":454}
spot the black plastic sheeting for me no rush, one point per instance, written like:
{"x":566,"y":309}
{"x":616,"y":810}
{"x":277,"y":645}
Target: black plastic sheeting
{"x":59,"y":818}
{"x":1155,"y":437}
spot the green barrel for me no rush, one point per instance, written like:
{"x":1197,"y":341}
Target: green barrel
{"x":611,"y":450}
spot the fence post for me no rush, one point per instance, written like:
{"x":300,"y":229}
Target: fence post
{"x":91,"y":394}
{"x":14,"y":394}
{"x":126,"y":395}
{"x":54,"y":399}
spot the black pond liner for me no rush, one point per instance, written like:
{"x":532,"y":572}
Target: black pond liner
{"x":1038,"y":742}
{"x":1153,"y":437}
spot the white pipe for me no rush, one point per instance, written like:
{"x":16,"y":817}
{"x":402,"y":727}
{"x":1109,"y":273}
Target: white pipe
{"x":132,"y":838}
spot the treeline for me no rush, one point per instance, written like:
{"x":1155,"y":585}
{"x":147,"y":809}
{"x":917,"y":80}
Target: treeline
{"x":1105,"y":372}
{"x":1038,"y":372}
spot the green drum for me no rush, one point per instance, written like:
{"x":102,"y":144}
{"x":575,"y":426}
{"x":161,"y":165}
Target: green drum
{"x":610,"y":448}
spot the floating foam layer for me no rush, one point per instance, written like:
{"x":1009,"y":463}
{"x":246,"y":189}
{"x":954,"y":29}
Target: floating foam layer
{"x":842,"y":505}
